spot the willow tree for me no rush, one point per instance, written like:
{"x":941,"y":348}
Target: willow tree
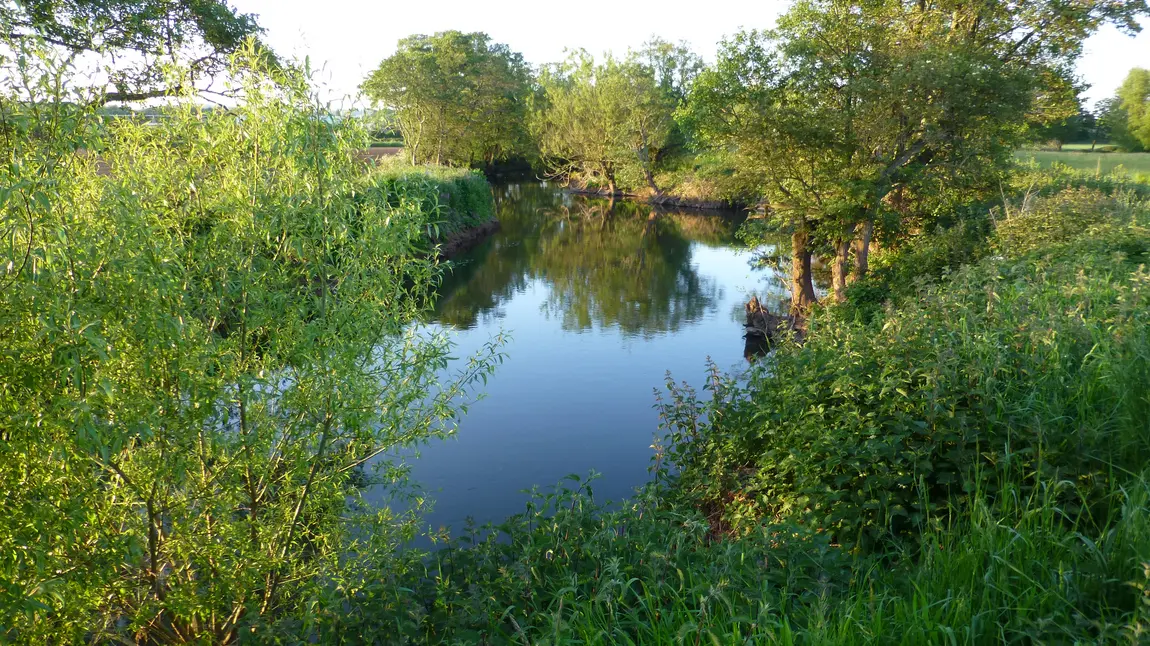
{"x":205,"y":344}
{"x":849,"y":110}
{"x":133,"y":43}
{"x":457,"y":98}
{"x":592,"y":121}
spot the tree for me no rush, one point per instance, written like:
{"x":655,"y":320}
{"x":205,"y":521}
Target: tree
{"x":674,"y":66}
{"x":849,"y":110}
{"x":205,"y":343}
{"x":596,"y":120}
{"x":458,"y":98}
{"x":136,"y":41}
{"x":1134,"y":99}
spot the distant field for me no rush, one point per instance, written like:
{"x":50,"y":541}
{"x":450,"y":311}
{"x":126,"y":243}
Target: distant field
{"x":1104,"y":162}
{"x":1082,"y":147}
{"x":387,"y":143}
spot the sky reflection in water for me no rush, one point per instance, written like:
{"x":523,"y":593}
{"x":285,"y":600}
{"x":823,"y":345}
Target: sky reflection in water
{"x":600,"y":302}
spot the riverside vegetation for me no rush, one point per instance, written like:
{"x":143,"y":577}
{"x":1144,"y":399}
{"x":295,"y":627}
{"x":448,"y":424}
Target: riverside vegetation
{"x":205,"y":337}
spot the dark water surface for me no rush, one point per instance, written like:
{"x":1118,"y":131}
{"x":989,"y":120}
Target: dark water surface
{"x":600,"y":301}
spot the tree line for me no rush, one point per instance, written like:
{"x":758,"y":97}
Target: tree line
{"x":848,"y":122}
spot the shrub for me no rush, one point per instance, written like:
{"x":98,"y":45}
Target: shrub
{"x":453,"y":198}
{"x":1047,"y":224}
{"x":204,"y":342}
{"x":1014,"y":370}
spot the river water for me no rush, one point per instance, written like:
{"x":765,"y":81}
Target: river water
{"x":600,"y":301}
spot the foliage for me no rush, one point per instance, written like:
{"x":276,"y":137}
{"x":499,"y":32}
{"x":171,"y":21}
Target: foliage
{"x":1081,"y":126}
{"x":571,"y":569}
{"x":205,"y":355}
{"x":135,"y":40}
{"x":1134,"y":100}
{"x":597,"y":122}
{"x":1091,"y":216}
{"x":1023,"y":369}
{"x":454,"y":199}
{"x":458,"y":98}
{"x":847,"y":110}
{"x":674,"y":66}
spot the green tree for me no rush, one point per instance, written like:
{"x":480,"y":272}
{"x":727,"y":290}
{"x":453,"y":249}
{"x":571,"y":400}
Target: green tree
{"x":674,"y":66}
{"x":458,"y":98}
{"x":204,"y":345}
{"x":1134,"y":99}
{"x":849,"y":111}
{"x":136,"y":40}
{"x":594,"y":121}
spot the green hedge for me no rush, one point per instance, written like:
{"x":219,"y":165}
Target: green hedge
{"x":454,"y":199}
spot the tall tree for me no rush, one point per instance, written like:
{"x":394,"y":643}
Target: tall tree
{"x":1134,"y":99}
{"x":594,"y":120}
{"x":135,"y":41}
{"x":458,"y":98}
{"x":849,"y":109}
{"x":674,"y":66}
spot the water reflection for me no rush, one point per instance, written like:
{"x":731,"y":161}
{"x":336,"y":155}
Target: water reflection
{"x":600,"y":301}
{"x":611,"y":264}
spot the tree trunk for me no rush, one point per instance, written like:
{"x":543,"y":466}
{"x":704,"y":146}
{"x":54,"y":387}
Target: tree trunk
{"x":802,"y":286}
{"x":839,"y":269}
{"x":611,"y":184}
{"x":862,"y":250}
{"x":651,"y":181}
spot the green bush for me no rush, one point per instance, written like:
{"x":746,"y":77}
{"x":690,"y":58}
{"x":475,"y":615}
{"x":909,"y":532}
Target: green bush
{"x":454,"y":198}
{"x":917,"y":262}
{"x":204,"y":340}
{"x":1025,"y":369}
{"x":1081,"y":215}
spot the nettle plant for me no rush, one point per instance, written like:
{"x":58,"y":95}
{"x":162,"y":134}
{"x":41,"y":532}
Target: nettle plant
{"x":205,"y":348}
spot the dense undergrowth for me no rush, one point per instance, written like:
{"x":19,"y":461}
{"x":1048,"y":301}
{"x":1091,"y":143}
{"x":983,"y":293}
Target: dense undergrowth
{"x":455,"y":199}
{"x":204,"y":338}
{"x":964,"y":464}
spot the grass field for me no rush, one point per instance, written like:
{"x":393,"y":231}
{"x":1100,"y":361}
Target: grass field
{"x":1102,"y":162}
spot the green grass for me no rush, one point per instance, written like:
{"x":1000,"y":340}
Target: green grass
{"x":396,"y":142}
{"x":1104,"y":163}
{"x":1099,"y":147}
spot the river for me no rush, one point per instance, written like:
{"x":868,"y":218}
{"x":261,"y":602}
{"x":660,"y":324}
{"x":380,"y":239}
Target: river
{"x":600,"y":301}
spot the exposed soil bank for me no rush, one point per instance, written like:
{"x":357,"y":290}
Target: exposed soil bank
{"x":462,"y":241}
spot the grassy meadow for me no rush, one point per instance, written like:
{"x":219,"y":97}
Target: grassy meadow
{"x":1099,"y":162}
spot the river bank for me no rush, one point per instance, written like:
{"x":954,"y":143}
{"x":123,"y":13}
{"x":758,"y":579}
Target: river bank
{"x":459,"y":202}
{"x":661,"y":199}
{"x":967,"y":463}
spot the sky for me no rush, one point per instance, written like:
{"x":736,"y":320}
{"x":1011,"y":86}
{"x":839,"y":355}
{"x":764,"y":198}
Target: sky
{"x":346,"y":39}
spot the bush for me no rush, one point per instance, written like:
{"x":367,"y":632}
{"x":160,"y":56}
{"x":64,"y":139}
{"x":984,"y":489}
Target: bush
{"x":204,"y":342}
{"x":1079,"y":215}
{"x":453,"y":198}
{"x":1019,"y":370}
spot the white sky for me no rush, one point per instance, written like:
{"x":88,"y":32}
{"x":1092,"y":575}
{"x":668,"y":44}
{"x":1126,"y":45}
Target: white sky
{"x":349,"y":38}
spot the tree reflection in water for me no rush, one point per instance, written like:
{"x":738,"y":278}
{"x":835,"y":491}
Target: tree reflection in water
{"x":603,"y":263}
